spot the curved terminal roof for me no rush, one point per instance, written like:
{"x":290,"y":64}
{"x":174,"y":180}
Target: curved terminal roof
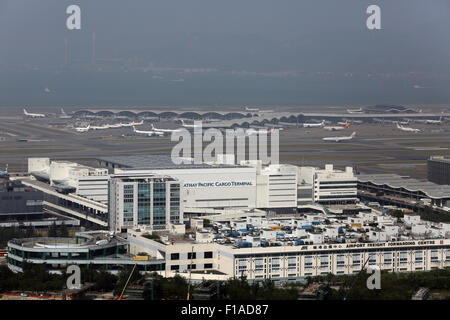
{"x":407,"y":184}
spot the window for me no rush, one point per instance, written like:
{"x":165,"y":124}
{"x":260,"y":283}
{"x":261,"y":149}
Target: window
{"x":208,"y":266}
{"x":418,"y":257}
{"x":356,"y":259}
{"x":434,"y":256}
{"x":308,"y":262}
{"x":372,"y":259}
{"x":275,"y":264}
{"x":191,"y":266}
{"x":403,"y":258}
{"x":242,"y":265}
{"x":340,"y":261}
{"x":387,"y":258}
{"x":292,"y":263}
{"x":259,"y":265}
{"x":175,"y":256}
{"x":323,"y":262}
{"x":175,"y":267}
{"x":208,"y":255}
{"x":191,"y":255}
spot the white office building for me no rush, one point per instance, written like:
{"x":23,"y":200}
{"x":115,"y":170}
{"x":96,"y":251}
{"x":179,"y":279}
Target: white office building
{"x":71,"y":177}
{"x":204,"y":185}
{"x":329,"y":185}
{"x":148,"y":201}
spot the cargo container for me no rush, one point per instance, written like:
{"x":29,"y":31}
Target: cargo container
{"x":140,"y":258}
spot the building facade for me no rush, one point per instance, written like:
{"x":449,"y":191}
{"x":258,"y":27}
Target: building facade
{"x":329,"y":185}
{"x":144,"y":200}
{"x":438,"y":170}
{"x":298,"y":262}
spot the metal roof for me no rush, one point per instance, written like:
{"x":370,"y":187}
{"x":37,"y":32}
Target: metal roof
{"x":155,"y":162}
{"x":395,"y":181}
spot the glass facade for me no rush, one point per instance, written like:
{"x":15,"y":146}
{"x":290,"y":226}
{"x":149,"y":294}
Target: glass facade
{"x":128,"y":203}
{"x":175,"y":203}
{"x":143,"y":203}
{"x":159,"y":205}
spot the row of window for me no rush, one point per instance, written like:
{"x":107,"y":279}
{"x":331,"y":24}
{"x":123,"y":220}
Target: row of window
{"x":192,"y":266}
{"x":192,"y":255}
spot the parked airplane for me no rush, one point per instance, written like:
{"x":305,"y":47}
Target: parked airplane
{"x":253,"y":132}
{"x":132,"y":123}
{"x":314,"y":125}
{"x":189,"y":125}
{"x":251,"y":109}
{"x":64,"y":115}
{"x":81,"y":129}
{"x":338,"y":128}
{"x":360,"y":110}
{"x":102,"y":127}
{"x":115,"y":125}
{"x":338,"y":139}
{"x":148,"y":133}
{"x":429,"y":121}
{"x":164,"y":130}
{"x":407,"y":128}
{"x":33,"y":115}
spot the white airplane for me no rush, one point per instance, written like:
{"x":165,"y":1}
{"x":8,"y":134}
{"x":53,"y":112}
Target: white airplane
{"x":338,"y":139}
{"x":105,"y":126}
{"x":83,"y":129}
{"x":33,"y":115}
{"x":164,"y":130}
{"x":407,"y":128}
{"x":360,"y":110}
{"x":252,"y":132}
{"x":314,"y":125}
{"x":132,"y":124}
{"x":338,"y":128}
{"x":189,"y":125}
{"x":251,"y":109}
{"x":64,"y":115}
{"x":148,"y":133}
{"x":434,"y":121}
{"x":115,"y":125}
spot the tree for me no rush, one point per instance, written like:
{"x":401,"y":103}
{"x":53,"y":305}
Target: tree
{"x":123,"y":277}
{"x":30,"y":232}
{"x":53,"y":230}
{"x":63,"y":231}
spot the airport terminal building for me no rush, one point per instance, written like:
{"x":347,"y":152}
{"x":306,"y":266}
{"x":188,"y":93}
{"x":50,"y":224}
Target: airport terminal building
{"x":206,"y":188}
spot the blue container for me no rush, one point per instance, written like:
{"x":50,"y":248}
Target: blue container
{"x":244,"y":244}
{"x":299,"y":241}
{"x":315,"y":223}
{"x":307,"y":227}
{"x":234,"y":234}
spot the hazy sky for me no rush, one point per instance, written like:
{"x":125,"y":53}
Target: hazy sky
{"x":233,"y":52}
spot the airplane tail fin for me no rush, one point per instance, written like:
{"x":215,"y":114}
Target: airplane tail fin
{"x":153,"y":127}
{"x":347,"y":125}
{"x":353,"y":134}
{"x":134,"y":129}
{"x":25,"y":111}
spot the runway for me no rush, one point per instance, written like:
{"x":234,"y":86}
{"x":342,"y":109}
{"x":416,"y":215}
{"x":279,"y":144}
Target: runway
{"x":377,"y":147}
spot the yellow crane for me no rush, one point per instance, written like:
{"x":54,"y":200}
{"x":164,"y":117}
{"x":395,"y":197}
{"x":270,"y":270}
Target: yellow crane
{"x":126,"y":284}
